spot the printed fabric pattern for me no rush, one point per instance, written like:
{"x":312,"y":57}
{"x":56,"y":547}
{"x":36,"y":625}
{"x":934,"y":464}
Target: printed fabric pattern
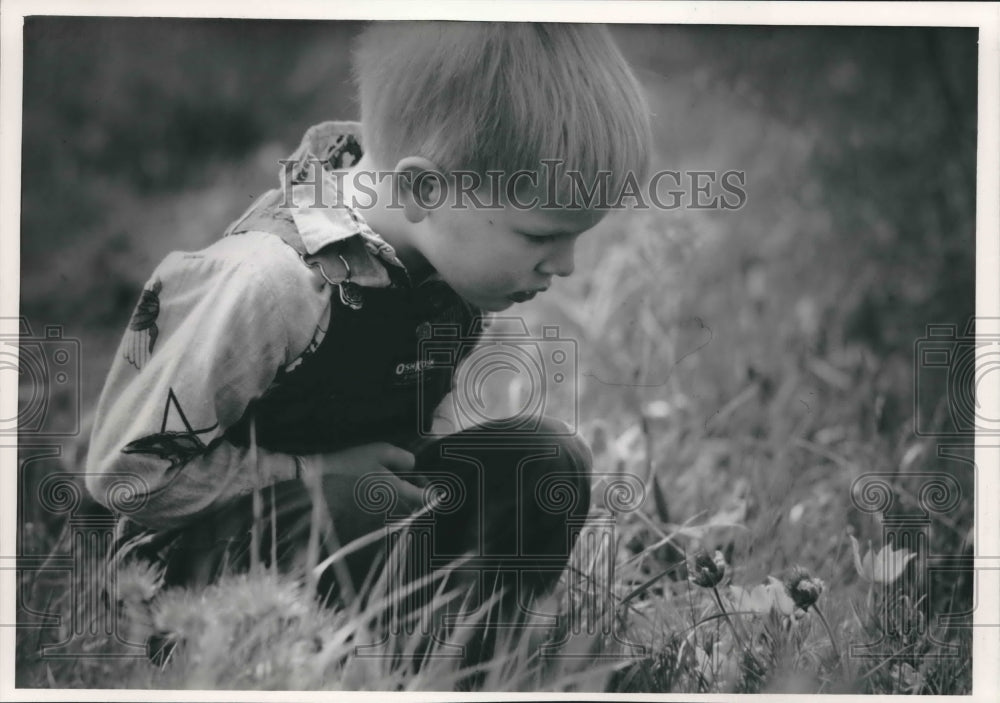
{"x":256,"y":330}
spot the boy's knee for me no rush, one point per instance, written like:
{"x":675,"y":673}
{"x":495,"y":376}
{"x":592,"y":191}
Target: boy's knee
{"x":549,"y":469}
{"x":575,"y":456}
{"x":577,"y":451}
{"x":559,"y":484}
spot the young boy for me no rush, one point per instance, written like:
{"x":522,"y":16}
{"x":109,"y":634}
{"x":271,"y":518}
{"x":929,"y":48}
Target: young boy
{"x":277,"y":375}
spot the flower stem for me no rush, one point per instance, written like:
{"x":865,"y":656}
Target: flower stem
{"x":829,"y":631}
{"x":732,"y":625}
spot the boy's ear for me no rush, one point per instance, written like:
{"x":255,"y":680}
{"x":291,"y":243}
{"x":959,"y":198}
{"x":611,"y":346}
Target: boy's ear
{"x":421,"y":186}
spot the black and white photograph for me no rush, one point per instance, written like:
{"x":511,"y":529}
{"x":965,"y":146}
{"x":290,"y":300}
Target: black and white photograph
{"x":568,"y":350}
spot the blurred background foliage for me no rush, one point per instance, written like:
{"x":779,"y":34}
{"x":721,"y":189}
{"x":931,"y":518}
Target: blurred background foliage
{"x":756,"y":360}
{"x":141,"y":136}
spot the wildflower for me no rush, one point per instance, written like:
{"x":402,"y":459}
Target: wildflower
{"x":183,"y":614}
{"x":884,"y":566}
{"x":138,"y":584}
{"x":805,"y":590}
{"x":908,"y":679}
{"x":803,"y":587}
{"x":718,"y":664}
{"x":708,"y":570}
{"x":763,"y":598}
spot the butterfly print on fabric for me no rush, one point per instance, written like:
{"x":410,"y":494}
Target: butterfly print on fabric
{"x":142,"y":329}
{"x":343,"y":153}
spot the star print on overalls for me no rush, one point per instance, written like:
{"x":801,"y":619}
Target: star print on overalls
{"x":178,"y":446}
{"x":142,"y":330}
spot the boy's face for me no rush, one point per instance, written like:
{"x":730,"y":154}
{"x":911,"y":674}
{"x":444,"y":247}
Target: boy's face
{"x":494,"y":258}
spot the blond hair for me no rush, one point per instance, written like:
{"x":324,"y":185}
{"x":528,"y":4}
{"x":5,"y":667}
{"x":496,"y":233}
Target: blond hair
{"x":482,"y":96}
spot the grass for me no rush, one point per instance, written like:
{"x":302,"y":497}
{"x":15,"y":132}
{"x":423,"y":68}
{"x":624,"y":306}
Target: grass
{"x":649,"y":629}
{"x":746,"y":367}
{"x":263,"y":631}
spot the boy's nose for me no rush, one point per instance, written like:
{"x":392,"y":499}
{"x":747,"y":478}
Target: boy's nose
{"x":560,"y":261}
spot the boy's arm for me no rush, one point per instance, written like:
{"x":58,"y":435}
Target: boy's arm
{"x":446,"y":419}
{"x":209,"y":334}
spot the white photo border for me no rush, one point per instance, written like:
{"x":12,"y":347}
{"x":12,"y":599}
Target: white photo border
{"x":984,"y":16}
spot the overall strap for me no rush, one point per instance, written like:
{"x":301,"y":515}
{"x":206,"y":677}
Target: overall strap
{"x":329,"y":266}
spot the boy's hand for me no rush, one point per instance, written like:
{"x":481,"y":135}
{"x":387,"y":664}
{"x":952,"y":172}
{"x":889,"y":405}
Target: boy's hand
{"x":375,"y":458}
